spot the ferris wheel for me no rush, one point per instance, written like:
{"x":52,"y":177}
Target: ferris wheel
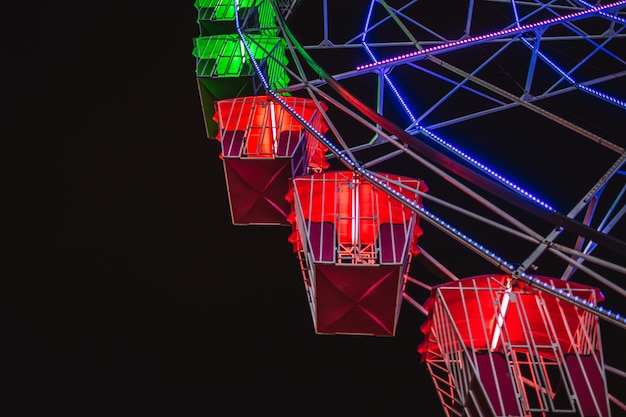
{"x":464,"y":158}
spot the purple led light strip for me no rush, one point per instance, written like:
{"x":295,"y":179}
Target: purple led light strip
{"x":611,"y":316}
{"x":492,"y":35}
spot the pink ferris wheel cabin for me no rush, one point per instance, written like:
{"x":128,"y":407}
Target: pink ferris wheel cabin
{"x":262,"y":147}
{"x":355,"y":243}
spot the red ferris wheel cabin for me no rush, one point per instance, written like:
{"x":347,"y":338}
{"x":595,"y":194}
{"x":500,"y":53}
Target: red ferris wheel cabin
{"x":354,"y":242}
{"x":263,"y":147}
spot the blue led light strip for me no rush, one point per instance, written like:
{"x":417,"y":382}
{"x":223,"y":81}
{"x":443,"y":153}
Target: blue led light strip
{"x":604,"y":14}
{"x":608,"y":315}
{"x":457,"y":234}
{"x":601,"y":95}
{"x":493,"y":35}
{"x":395,"y":91}
{"x":446,"y":144}
{"x":486,"y":169}
{"x":573,"y":82}
{"x":600,"y":311}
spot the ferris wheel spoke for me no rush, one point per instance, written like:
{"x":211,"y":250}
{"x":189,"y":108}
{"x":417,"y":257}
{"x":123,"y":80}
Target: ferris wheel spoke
{"x":408,"y":108}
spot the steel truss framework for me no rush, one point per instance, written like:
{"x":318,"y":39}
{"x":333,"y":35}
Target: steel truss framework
{"x":469,"y":96}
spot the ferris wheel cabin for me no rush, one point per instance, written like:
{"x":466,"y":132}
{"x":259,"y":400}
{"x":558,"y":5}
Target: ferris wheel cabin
{"x":263,"y":146}
{"x":495,"y":346}
{"x":354,"y":243}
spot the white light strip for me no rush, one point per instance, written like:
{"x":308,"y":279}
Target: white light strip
{"x":500,"y":319}
{"x":274,"y":128}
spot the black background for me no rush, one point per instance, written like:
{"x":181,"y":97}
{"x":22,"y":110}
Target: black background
{"x":133,"y":294}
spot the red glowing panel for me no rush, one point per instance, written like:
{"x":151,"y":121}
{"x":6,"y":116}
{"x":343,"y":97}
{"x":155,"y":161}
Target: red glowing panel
{"x":263,"y":147}
{"x":263,"y":121}
{"x":354,"y":299}
{"x":532,"y":316}
{"x":354,"y":207}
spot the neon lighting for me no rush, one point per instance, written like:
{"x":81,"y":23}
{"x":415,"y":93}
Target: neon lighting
{"x":395,"y":91}
{"x":603,"y":96}
{"x":493,"y":35}
{"x":224,"y":55}
{"x":550,"y":62}
{"x":607,"y":15}
{"x":582,"y":87}
{"x":441,"y":141}
{"x":393,"y":88}
{"x":242,"y":50}
{"x":340,"y":154}
{"x":355,"y":210}
{"x":274,"y":127}
{"x":486,"y":169}
{"x":574,"y":299}
{"x":500,"y":319}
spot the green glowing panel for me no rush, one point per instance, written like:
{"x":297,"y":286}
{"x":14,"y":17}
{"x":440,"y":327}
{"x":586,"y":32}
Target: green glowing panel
{"x":217,"y":17}
{"x":226,"y":56}
{"x":205,"y":4}
{"x":221,"y":9}
{"x":223,"y":67}
{"x":219,"y":56}
{"x":267,"y":19}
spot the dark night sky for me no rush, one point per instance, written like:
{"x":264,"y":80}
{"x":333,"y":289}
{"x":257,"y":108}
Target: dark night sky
{"x":133,"y":294}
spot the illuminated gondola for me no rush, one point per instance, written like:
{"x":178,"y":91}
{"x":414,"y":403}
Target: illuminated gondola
{"x":223,"y":67}
{"x":495,"y":346}
{"x":263,"y":147}
{"x":354,"y":243}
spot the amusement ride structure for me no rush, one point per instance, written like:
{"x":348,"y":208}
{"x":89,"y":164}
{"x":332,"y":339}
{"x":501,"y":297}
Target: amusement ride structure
{"x":370,"y":127}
